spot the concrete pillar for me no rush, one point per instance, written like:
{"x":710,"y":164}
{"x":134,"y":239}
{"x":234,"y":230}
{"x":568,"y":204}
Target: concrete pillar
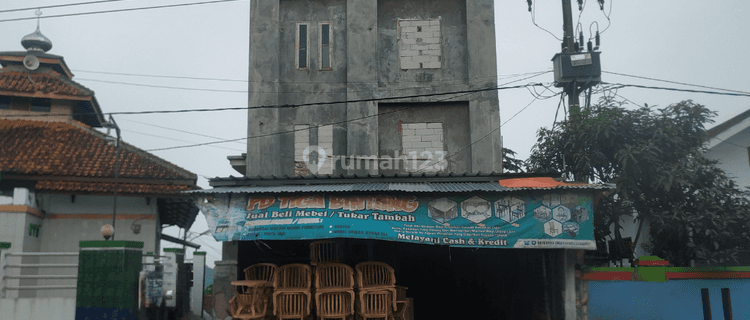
{"x":484,"y":112}
{"x":108,"y":274}
{"x":362,"y":80}
{"x":196,"y":292}
{"x":569,"y":278}
{"x":264,"y":154}
{"x":225,"y":272}
{"x":174,"y":285}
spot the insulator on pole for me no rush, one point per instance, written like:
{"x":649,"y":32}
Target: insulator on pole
{"x":580,"y":37}
{"x":529,"y":2}
{"x":601,"y":4}
{"x":597,"y":38}
{"x":589,"y":46}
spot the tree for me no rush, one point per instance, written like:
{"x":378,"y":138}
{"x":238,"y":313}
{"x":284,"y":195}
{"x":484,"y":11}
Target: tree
{"x":655,"y":159}
{"x":510,"y":162}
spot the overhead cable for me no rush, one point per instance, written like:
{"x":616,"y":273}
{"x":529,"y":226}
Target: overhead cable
{"x":674,"y":82}
{"x":118,"y":10}
{"x":620,"y":85}
{"x":58,"y":6}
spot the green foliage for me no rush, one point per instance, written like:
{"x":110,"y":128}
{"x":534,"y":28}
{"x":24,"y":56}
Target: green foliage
{"x":209,"y":289}
{"x":510,"y":162}
{"x":655,"y":158}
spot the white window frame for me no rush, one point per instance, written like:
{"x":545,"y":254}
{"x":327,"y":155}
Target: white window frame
{"x":330,"y":45}
{"x":297,"y":47}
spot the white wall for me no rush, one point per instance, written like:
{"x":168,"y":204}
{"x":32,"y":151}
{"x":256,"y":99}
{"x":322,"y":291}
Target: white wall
{"x":733,"y":157}
{"x":31,"y":309}
{"x":59,"y":234}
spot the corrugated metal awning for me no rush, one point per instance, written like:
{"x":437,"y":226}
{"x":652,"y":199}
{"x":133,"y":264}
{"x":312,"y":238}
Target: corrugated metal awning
{"x":426,"y":187}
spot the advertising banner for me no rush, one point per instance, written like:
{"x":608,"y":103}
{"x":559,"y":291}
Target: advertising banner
{"x":531,"y":220}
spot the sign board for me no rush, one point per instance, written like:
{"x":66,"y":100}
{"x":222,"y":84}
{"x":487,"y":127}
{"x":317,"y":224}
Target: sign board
{"x":531,"y":220}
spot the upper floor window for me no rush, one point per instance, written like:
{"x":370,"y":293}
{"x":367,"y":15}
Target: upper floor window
{"x":302,"y":46}
{"x":40,"y":105}
{"x":325,"y":54}
{"x":4,"y":103}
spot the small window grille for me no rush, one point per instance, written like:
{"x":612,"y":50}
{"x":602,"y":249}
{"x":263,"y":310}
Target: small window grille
{"x":325,"y":46}
{"x":302,"y":45}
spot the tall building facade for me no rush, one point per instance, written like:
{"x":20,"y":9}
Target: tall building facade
{"x":359,"y":87}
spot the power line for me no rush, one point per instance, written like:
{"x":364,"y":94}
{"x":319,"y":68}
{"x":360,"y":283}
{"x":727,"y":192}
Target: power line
{"x":675,"y":82}
{"x":164,"y":87}
{"x":119,"y":10}
{"x":620,"y":85}
{"x":160,"y":76}
{"x":180,"y":140}
{"x":498,"y":76}
{"x":286,"y":106}
{"x":58,"y":6}
{"x":293,"y":130}
{"x":173,"y":129}
{"x":344,"y":121}
{"x":234,"y":91}
{"x":493,"y":131}
{"x":533,"y":20}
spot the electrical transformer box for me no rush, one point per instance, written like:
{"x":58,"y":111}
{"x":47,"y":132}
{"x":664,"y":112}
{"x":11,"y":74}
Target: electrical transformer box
{"x":582,"y":67}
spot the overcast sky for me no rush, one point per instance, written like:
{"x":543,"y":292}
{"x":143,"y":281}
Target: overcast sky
{"x":690,"y":41}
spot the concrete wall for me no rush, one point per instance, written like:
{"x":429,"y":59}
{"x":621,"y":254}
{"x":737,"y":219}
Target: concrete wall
{"x":14,"y":228}
{"x":367,"y":48}
{"x":27,"y":309}
{"x":68,"y":221}
{"x":454,"y":118}
{"x":733,"y":157}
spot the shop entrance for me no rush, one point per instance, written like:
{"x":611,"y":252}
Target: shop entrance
{"x":444,"y":282}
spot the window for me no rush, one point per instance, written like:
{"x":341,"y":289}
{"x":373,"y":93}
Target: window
{"x":302,"y":46}
{"x":325,"y":54}
{"x":4,"y":103}
{"x":40,"y":105}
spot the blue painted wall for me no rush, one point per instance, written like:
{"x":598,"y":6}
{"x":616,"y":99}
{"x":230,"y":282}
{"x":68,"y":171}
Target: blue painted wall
{"x":675,"y":299}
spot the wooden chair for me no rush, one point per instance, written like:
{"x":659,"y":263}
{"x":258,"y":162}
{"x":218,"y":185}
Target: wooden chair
{"x":334,"y":290}
{"x":261,"y":271}
{"x":375,"y":304}
{"x":264,"y":272}
{"x":376,"y":276}
{"x":324,"y":251}
{"x":336,"y":305}
{"x":249,"y":302}
{"x":291,"y":291}
{"x":402,"y":304}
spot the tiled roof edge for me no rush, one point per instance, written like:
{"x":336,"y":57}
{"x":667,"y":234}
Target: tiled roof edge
{"x":181,"y":171}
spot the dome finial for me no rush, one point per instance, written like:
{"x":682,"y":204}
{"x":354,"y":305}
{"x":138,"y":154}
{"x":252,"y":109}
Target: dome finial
{"x":36,"y":41}
{"x":38,"y":14}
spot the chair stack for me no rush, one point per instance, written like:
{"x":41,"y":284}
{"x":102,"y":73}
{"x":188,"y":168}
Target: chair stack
{"x":261,"y":271}
{"x":291,"y":291}
{"x":248,"y":303}
{"x":324,"y":251}
{"x":377,"y":290}
{"x":334,"y":291}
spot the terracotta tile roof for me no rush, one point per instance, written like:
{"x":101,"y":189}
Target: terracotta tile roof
{"x":109,"y":187}
{"x":47,"y":82}
{"x":69,"y":156}
{"x":545,"y":183}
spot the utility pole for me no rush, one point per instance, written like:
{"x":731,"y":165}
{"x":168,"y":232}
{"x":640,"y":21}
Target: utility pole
{"x":569,"y":47}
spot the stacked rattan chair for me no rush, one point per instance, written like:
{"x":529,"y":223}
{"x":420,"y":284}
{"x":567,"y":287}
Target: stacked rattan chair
{"x":291,"y":291}
{"x":324,"y":251}
{"x":376,"y":282}
{"x":334,"y":291}
{"x":249,"y":302}
{"x":261,"y":271}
